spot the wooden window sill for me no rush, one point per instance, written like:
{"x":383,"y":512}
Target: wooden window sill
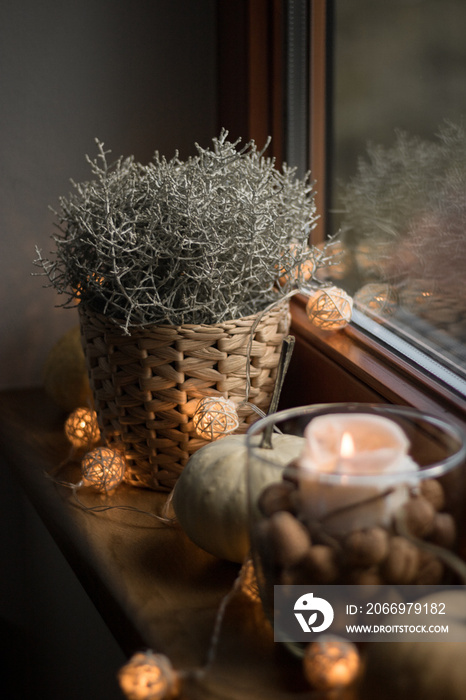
{"x":152,"y":586}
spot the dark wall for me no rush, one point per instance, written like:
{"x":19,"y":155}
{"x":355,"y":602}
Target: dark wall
{"x":55,"y":645}
{"x":139,"y":75}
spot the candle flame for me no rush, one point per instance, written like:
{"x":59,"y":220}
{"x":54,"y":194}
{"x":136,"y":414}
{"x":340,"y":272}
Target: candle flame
{"x":347,"y":446}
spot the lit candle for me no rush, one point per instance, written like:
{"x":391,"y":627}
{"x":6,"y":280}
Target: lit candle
{"x":350,"y":459}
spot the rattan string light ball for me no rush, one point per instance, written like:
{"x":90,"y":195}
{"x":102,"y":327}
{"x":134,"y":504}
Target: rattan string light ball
{"x":379,"y":298}
{"x":103,"y":469}
{"x":215,"y":417}
{"x":331,"y":662}
{"x":82,"y":428}
{"x":149,"y":676}
{"x":329,"y":308}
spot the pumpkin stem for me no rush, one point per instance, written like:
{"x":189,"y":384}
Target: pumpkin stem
{"x":283,"y":364}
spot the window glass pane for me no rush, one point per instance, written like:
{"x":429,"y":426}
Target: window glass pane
{"x":398,"y":167}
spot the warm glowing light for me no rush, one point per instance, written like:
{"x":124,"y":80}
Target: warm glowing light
{"x":249,"y":582}
{"x":347,"y":446}
{"x":93,"y":281}
{"x":215,"y":417}
{"x":302,"y":272}
{"x":329,"y":308}
{"x":148,"y":676}
{"x":331,"y":662}
{"x":103,"y":469}
{"x":82,"y":428}
{"x":376,"y":297}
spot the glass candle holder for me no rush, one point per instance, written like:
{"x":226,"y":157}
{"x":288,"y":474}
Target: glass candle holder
{"x":375,"y":497}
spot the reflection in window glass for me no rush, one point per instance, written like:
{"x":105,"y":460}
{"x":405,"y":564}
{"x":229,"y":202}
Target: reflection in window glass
{"x":398,"y":171}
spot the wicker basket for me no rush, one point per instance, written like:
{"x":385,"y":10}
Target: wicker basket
{"x":146,"y":385}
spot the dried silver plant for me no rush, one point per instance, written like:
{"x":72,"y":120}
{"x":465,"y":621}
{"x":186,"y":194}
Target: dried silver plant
{"x":405,"y":216}
{"x":195,"y":241}
{"x":396,"y":186}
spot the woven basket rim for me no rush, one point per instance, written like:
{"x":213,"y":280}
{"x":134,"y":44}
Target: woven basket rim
{"x":86,"y":309}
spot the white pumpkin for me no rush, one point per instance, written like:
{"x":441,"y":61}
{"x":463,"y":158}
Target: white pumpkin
{"x":210,"y":498}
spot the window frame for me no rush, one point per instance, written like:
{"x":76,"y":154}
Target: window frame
{"x":346,"y":365}
{"x":394,"y":379}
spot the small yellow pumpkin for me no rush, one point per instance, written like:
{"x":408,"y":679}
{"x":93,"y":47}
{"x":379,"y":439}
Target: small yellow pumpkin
{"x":65,"y":374}
{"x":210,"y":498}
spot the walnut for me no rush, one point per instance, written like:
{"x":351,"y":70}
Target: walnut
{"x":318,"y":566}
{"x":444,"y":530}
{"x":288,"y":538}
{"x":365,"y":548}
{"x":419,"y":516}
{"x":276,"y":497}
{"x":402,"y":562}
{"x":432,"y":491}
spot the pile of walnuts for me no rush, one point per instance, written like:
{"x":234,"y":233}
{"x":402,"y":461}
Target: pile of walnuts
{"x":295,"y":551}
